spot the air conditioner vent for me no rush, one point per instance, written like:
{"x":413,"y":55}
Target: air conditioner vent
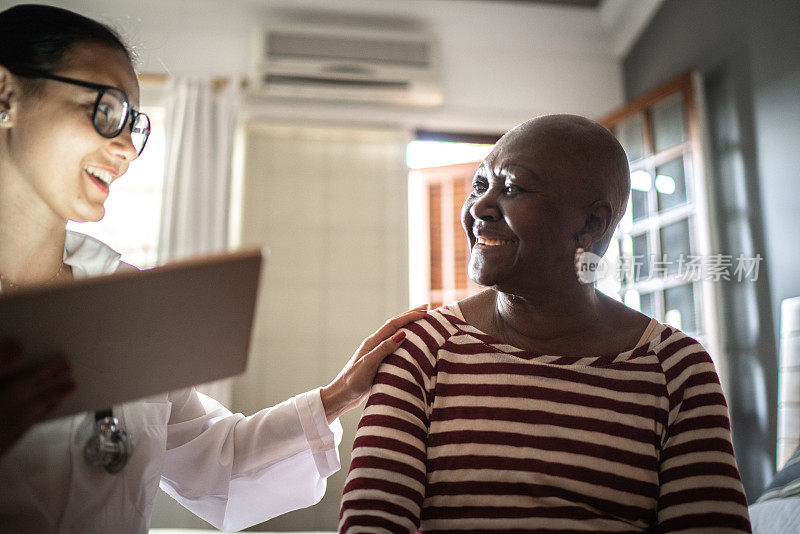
{"x":333,"y":82}
{"x":342,"y":48}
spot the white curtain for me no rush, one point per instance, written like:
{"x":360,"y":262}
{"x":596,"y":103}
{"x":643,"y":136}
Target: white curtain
{"x":200,"y":124}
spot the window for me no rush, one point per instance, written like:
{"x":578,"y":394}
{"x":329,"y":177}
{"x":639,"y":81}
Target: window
{"x":439,"y":182}
{"x":133,"y":209}
{"x":661,"y":248}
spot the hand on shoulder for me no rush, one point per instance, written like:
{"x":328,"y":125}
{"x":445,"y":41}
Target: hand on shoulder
{"x":352,"y":384}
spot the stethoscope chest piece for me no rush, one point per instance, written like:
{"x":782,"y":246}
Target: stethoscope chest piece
{"x":109,"y":446}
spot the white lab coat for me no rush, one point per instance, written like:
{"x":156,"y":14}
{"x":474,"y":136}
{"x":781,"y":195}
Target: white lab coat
{"x":231,"y":470}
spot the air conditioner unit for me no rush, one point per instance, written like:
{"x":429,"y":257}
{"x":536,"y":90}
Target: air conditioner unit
{"x":347,"y":65}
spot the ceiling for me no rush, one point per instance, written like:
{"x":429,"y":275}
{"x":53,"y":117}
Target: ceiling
{"x":557,"y":26}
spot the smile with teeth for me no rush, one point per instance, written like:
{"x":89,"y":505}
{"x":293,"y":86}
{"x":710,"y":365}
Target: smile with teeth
{"x":492,"y":242}
{"x":101,"y":174}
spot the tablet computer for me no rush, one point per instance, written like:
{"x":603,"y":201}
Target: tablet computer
{"x":135,"y":334}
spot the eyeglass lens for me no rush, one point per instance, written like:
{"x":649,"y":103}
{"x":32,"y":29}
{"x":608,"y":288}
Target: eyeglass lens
{"x":111,"y":115}
{"x":140,"y":131}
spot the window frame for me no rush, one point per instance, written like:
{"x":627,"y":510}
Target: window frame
{"x":698,"y":210}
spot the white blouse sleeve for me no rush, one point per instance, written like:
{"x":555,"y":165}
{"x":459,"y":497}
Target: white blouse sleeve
{"x":236,"y":471}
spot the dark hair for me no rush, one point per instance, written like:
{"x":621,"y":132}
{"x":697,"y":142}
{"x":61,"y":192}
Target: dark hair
{"x":36,"y":37}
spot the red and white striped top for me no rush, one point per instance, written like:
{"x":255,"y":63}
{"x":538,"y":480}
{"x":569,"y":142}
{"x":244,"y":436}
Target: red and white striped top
{"x":463,"y":433}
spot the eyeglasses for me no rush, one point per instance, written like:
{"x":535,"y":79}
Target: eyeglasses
{"x":112,"y":109}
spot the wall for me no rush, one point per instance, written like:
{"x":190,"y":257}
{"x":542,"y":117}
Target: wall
{"x":330,"y":203}
{"x":749,"y":56}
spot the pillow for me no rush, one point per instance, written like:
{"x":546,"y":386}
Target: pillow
{"x":786,"y":482}
{"x":775,"y":516}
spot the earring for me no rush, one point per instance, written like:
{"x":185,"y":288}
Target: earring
{"x":578,"y":269}
{"x":588,"y":266}
{"x":4,"y":116}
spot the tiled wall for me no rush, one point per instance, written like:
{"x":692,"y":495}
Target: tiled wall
{"x":331,"y":205}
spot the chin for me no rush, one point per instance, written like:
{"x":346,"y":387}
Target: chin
{"x":483,"y":276}
{"x":89,"y":217}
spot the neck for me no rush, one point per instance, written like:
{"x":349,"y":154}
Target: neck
{"x":544,"y":316}
{"x":31,"y":237}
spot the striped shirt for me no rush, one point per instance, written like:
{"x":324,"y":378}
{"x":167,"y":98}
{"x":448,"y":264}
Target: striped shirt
{"x":463,"y":433}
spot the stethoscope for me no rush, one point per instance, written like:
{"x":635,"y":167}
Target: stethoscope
{"x":109,"y":446}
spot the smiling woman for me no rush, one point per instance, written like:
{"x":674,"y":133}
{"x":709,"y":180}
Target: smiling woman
{"x":55,"y":116}
{"x":70,"y":126}
{"x":519,"y":198}
{"x":540,"y":404}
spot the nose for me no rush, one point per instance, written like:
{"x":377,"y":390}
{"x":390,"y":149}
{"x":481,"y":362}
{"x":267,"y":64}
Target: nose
{"x":122,"y":146}
{"x":485,"y":207}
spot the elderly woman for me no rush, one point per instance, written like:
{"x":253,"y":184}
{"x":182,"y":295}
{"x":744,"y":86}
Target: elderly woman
{"x":540,"y":404}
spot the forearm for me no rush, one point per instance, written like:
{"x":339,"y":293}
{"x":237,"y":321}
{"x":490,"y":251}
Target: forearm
{"x":334,"y":402}
{"x":235,"y":471}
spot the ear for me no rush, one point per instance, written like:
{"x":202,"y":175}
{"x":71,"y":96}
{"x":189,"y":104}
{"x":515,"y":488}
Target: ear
{"x":598,"y":219}
{"x":9,"y":95}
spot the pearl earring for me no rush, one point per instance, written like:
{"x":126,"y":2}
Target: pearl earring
{"x":578,"y":254}
{"x":588,"y":266}
{"x":4,"y":116}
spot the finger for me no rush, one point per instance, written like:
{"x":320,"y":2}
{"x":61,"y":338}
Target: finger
{"x":21,"y":416}
{"x":31,"y":397}
{"x":49,"y":401}
{"x":22,"y":369}
{"x":26,"y":386}
{"x":37,"y":408}
{"x":372,"y":359}
{"x":391,"y":326}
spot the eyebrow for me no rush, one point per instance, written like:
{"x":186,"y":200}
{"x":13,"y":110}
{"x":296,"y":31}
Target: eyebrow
{"x":487,"y":169}
{"x":527,"y":170}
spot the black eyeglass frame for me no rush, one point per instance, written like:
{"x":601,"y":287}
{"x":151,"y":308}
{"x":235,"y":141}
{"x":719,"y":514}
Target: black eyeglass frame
{"x":129,"y":113}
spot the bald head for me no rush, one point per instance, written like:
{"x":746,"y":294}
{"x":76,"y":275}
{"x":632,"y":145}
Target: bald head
{"x":586,"y":158}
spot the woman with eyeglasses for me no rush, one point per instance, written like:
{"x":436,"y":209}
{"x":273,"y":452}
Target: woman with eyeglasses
{"x":69,"y":127}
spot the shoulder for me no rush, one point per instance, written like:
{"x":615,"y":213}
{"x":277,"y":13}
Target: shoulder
{"x":433,"y":330}
{"x":676,"y":349}
{"x":89,"y":255}
{"x":424,"y":338}
{"x":684,"y":360}
{"x":622,"y":326}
